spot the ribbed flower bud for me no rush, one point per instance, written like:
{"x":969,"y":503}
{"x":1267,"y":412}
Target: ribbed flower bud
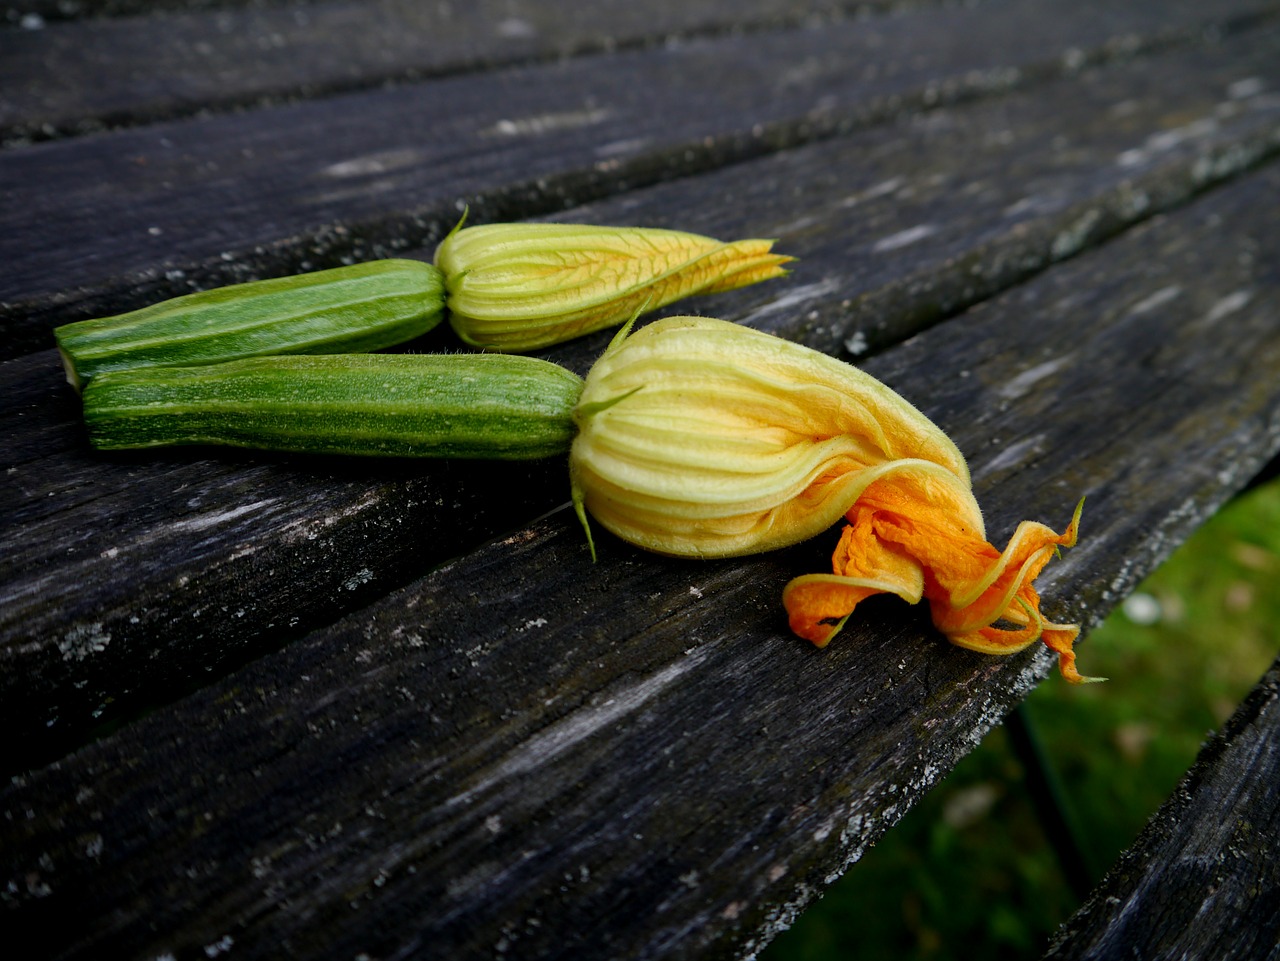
{"x":707,"y":439}
{"x":519,"y":287}
{"x":703,"y":438}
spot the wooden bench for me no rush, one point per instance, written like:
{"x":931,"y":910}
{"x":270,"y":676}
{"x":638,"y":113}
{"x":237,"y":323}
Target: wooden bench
{"x":267,"y":706}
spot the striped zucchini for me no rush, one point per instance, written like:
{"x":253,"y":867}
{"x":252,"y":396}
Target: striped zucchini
{"x":359,"y":308}
{"x":392,"y":405}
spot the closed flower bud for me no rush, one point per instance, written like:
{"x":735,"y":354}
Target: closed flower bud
{"x":519,"y":287}
{"x":702,"y":438}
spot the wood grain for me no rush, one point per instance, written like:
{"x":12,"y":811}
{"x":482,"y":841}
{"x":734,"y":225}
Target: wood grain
{"x":183,"y":58}
{"x":486,"y":762}
{"x":172,"y":568}
{"x":267,"y":705}
{"x":94,"y":74}
{"x":372,"y":173}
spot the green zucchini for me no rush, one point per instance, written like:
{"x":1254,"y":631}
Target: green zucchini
{"x":359,"y":308}
{"x":391,"y":405}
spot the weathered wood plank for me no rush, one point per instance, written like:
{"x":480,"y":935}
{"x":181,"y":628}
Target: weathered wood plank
{"x":127,"y":579}
{"x":771,"y":11}
{"x":95,"y":74}
{"x":13,"y":11}
{"x":488,"y":762}
{"x":364,"y":175}
{"x":1202,"y":880}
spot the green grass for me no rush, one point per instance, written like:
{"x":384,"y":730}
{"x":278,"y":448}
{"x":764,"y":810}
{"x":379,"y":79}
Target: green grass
{"x":969,"y":872}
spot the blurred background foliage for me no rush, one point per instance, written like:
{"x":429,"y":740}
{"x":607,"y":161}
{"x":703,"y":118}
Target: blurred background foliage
{"x":969,"y":872}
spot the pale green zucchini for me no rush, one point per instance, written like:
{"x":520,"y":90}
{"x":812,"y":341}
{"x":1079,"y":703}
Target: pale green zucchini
{"x":352,"y":309}
{"x":390,"y":405}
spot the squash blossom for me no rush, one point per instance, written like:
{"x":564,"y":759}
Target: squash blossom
{"x":701,"y":438}
{"x":519,"y":287}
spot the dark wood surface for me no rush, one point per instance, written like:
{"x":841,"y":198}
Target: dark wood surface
{"x":369,"y":173}
{"x":891,"y":231}
{"x":191,"y":57}
{"x":195,"y":57}
{"x":335,"y":707}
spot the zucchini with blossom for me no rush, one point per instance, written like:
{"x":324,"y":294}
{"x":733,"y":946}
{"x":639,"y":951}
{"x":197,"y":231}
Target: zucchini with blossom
{"x":700,"y":438}
{"x":691,"y":437}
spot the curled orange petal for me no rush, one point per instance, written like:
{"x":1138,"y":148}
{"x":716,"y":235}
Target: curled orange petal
{"x":981,"y":598}
{"x":819,"y":604}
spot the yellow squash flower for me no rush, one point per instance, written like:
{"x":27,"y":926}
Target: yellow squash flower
{"x":519,"y":287}
{"x":701,"y":438}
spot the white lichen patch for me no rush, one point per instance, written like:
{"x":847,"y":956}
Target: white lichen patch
{"x":375,"y":163}
{"x":1015,"y":455}
{"x":794,"y":301}
{"x":83,"y":640}
{"x":904,"y":238}
{"x":1071,"y":239}
{"x":515,"y":28}
{"x":1022,"y":383}
{"x":1228,"y":305}
{"x":1156,"y":300}
{"x":221,"y":946}
{"x":215,"y":518}
{"x":778,"y":919}
{"x":547,"y":123}
{"x":1245,"y":88}
{"x":856,"y":343}
{"x":358,"y":579}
